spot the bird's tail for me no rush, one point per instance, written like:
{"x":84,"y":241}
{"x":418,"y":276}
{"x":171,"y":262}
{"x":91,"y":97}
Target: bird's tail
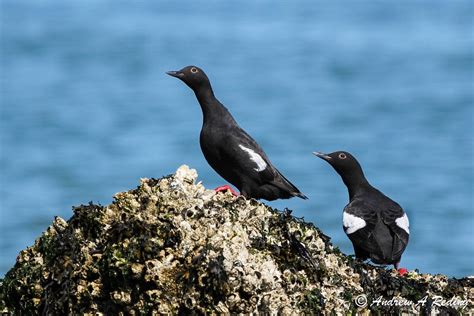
{"x":293,"y":190}
{"x":301,"y":195}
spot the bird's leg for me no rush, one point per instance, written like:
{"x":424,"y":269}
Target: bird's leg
{"x":224,"y":188}
{"x":401,"y":271}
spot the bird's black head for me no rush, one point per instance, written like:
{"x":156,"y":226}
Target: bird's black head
{"x":342,"y":161}
{"x":193,"y":76}
{"x":346,"y":165}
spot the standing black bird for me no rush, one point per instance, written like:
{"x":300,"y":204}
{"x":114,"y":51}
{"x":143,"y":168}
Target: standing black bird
{"x":230,"y":150}
{"x":377,"y":226}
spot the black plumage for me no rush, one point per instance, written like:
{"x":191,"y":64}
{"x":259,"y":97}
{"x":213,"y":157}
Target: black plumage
{"x":230,"y":151}
{"x":377,"y":226}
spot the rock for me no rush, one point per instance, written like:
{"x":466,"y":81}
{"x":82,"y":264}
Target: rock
{"x":171,"y":246}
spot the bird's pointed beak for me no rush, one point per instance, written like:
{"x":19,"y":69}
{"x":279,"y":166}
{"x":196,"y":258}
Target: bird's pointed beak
{"x":322,"y":155}
{"x":177,"y":74}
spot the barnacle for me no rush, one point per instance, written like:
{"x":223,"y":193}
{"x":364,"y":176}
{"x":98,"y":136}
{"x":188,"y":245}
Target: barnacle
{"x":170,"y":246}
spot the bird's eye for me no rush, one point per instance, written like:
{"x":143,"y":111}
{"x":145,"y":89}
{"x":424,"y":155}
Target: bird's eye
{"x":194,"y":70}
{"x":342,"y":156}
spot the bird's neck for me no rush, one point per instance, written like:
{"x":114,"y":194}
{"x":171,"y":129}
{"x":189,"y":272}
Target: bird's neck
{"x":358,"y":188}
{"x":356,"y":183}
{"x":211,"y":107}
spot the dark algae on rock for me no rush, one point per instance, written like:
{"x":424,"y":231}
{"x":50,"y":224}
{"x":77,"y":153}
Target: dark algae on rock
{"x":172,"y":247}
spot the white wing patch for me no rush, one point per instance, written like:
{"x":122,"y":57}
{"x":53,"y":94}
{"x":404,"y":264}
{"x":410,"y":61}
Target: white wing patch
{"x":352,"y":223}
{"x":403,"y":223}
{"x":261,"y":164}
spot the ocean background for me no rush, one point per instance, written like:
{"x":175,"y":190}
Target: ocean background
{"x":87,"y":109}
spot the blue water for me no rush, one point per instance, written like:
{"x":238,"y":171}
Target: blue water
{"x":86,"y":109}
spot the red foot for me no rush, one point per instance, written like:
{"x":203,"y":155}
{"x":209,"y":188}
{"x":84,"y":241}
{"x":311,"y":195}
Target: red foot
{"x":402,"y":271}
{"x":224,"y":188}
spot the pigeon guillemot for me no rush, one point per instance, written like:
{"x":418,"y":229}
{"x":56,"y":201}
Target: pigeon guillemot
{"x":230,"y":151}
{"x":377,"y":226}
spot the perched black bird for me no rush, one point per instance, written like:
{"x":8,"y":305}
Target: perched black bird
{"x":230,"y":150}
{"x":377,"y":226}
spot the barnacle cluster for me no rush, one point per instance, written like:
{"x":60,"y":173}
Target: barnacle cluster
{"x":171,"y":246}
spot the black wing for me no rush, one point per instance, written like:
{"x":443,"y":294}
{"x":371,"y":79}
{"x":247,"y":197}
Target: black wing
{"x":364,"y":237}
{"x":245,"y":156}
{"x":382,"y":238}
{"x":390,"y":216}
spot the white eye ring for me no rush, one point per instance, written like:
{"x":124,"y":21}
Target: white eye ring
{"x":342,"y":156}
{"x":194,"y":70}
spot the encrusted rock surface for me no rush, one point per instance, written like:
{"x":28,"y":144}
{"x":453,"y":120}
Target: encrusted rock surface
{"x":172,"y":247}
